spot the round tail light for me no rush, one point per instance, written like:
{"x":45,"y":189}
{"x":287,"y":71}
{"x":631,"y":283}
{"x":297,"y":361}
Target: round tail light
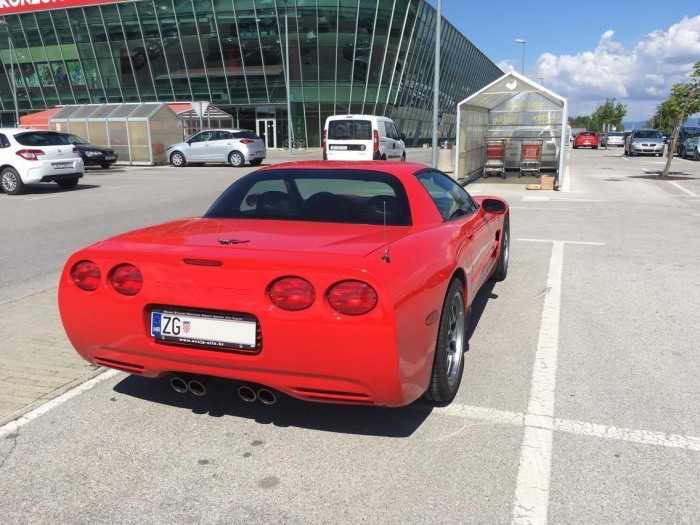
{"x":352,"y":297}
{"x":126,"y":279}
{"x":86,"y":275}
{"x":292,"y":293}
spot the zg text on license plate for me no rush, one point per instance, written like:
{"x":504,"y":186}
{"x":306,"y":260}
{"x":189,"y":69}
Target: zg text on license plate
{"x":204,"y":329}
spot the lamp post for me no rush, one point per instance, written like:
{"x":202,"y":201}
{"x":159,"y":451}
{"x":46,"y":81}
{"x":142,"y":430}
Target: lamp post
{"x":286,"y":76}
{"x":11,"y":81}
{"x":522,"y":65}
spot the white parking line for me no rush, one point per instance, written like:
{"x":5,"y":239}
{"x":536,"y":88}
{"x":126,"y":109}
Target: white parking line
{"x":40,"y":198}
{"x":536,"y":208}
{"x":532,"y":487}
{"x":564,"y":242}
{"x":15,"y":425}
{"x":683,"y":189}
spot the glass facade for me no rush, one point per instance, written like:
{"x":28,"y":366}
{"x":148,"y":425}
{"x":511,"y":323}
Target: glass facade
{"x":344,"y":56}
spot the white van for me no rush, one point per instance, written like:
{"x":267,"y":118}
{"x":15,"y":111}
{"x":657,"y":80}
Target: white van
{"x":362,"y":137}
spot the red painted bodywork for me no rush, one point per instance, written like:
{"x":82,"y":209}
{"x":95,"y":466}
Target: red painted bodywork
{"x":586,"y":140}
{"x":383,"y":358}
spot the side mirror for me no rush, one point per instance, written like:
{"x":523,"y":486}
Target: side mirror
{"x":403,"y":137}
{"x":494,"y":206}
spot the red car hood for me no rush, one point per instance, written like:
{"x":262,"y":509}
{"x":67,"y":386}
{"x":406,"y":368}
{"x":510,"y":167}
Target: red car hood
{"x":256,"y":234}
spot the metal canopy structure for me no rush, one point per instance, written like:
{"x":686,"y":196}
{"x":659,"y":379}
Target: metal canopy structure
{"x":510,"y":108}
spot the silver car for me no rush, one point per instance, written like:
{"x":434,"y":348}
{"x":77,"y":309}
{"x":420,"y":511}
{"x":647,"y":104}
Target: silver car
{"x":234,"y":146}
{"x":644,"y":142}
{"x":615,"y":138}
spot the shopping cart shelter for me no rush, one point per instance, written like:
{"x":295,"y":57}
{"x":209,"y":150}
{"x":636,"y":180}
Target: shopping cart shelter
{"x":513,"y":127}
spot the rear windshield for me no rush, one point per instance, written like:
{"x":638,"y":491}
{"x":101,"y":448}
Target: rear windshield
{"x":246,"y":135}
{"x":40,"y":138}
{"x":350,"y":130}
{"x":316,"y":195}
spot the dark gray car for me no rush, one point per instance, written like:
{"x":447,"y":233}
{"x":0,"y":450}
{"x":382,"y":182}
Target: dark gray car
{"x":644,"y":142}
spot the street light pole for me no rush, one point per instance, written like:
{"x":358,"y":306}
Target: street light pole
{"x":522,"y":65}
{"x":286,"y":75}
{"x":436,"y":84}
{"x":11,"y":81}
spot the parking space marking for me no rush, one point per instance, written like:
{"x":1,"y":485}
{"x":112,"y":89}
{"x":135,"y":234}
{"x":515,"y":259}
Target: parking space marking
{"x":13,"y":426}
{"x":564,"y":242}
{"x":536,"y":208}
{"x":533,"y":198}
{"x":674,"y":183}
{"x":532,"y":487}
{"x":40,"y":198}
{"x":119,"y":187}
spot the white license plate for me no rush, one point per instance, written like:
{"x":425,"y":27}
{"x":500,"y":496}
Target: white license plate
{"x":259,"y":153}
{"x":334,"y":146}
{"x":109,"y":157}
{"x":214,"y":330}
{"x":62,"y":165}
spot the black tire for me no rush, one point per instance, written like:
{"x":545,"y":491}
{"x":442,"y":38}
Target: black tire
{"x":403,"y":157}
{"x":624,"y":152}
{"x":383,"y":157}
{"x":105,"y":166}
{"x":68,"y":184}
{"x":11,"y":181}
{"x":235,"y":159}
{"x":499,"y":274}
{"x":256,"y":162}
{"x":448,"y":362}
{"x":178,"y":160}
{"x":681,"y":152}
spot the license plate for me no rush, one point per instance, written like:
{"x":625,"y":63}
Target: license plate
{"x":109,"y":157}
{"x":259,"y":153}
{"x":204,"y":329}
{"x":62,"y":165}
{"x":339,"y":147}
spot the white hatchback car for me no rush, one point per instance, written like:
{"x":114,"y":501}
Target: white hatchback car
{"x":31,"y":155}
{"x":235,"y":146}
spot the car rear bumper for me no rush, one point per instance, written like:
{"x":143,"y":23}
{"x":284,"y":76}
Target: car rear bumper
{"x":46,"y":172}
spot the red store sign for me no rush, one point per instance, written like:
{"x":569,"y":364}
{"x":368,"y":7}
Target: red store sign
{"x":14,"y":7}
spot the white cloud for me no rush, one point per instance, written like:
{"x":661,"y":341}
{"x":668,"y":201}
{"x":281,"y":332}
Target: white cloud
{"x":640,"y":77}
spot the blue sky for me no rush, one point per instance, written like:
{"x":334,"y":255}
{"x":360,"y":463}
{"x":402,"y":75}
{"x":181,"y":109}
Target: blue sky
{"x":589,"y":51}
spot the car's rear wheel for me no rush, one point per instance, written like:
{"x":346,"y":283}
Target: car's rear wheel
{"x":105,"y":166}
{"x":501,"y":270}
{"x":256,"y":162}
{"x":448,"y":362}
{"x":177,"y":159}
{"x":68,"y":184}
{"x":235,"y":159}
{"x":11,"y":181}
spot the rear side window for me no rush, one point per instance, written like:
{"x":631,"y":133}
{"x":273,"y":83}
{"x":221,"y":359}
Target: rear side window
{"x":40,"y":138}
{"x":350,"y":130}
{"x":4,"y":141}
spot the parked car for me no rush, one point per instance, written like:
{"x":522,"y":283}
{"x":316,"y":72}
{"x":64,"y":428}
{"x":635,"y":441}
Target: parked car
{"x":690,"y":149}
{"x":602,"y":139}
{"x":615,"y":138}
{"x":644,"y":142}
{"x":549,"y":156}
{"x":586,"y":139}
{"x":322,"y":280}
{"x":362,"y":137}
{"x":92,"y":155}
{"x":234,"y":146}
{"x":683,"y":134}
{"x":28,"y":156}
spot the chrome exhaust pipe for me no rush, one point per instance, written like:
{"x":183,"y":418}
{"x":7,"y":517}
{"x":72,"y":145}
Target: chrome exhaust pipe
{"x":198,"y":386}
{"x":247,"y":394}
{"x":267,"y":396}
{"x":179,"y":385}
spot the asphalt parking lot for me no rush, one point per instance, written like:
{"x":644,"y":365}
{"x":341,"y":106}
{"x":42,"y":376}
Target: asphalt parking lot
{"x":578,"y":405}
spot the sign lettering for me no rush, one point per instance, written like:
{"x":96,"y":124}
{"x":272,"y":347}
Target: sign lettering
{"x":14,"y":7}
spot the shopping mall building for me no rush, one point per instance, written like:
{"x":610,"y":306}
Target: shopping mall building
{"x":344,"y":56}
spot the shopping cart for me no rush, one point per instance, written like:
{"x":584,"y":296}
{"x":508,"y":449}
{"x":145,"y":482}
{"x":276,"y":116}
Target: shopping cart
{"x":495,"y":158}
{"x":530,"y":155}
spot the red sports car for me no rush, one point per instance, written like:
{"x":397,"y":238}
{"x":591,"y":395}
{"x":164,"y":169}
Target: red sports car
{"x":586,"y":139}
{"x":342,"y":282}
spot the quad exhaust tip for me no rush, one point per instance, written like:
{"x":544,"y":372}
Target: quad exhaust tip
{"x":179,"y":385}
{"x":247,"y":394}
{"x":266,"y":396}
{"x":198,"y":387}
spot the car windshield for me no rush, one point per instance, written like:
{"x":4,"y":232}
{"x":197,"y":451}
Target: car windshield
{"x":73,"y":139}
{"x":647,"y":134}
{"x":350,"y":130}
{"x":40,"y":138}
{"x":320,"y":195}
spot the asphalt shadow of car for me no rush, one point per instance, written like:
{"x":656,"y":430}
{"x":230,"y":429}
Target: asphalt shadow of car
{"x":222,"y":400}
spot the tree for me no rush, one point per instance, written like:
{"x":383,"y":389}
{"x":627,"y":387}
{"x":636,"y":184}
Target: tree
{"x":583,"y":122}
{"x":684,"y":100}
{"x":608,"y":115}
{"x":663,"y":119}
